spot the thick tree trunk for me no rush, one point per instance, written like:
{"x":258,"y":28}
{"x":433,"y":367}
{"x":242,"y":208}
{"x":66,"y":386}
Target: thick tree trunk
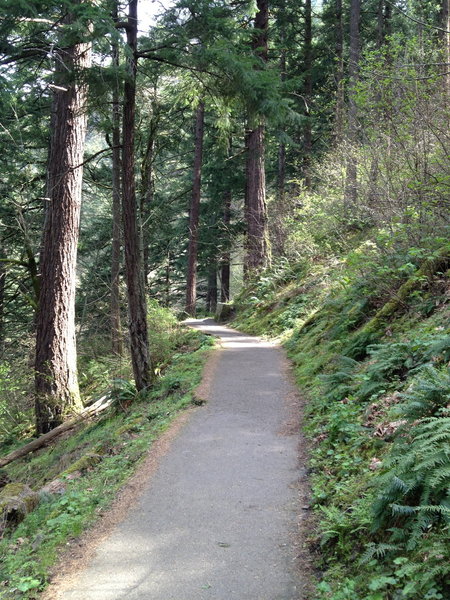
{"x":56,"y":381}
{"x":225,"y":268}
{"x":137,"y":306}
{"x":194,"y":212}
{"x":256,"y":213}
{"x":351,"y":183}
{"x":257,"y":255}
{"x":116,"y":326}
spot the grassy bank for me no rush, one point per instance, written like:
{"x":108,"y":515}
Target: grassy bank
{"x":369,"y":337}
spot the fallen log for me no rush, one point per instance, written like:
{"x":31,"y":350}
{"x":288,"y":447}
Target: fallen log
{"x":94,"y":409}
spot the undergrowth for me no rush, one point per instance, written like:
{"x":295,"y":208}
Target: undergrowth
{"x":88,"y":467}
{"x":369,"y":337}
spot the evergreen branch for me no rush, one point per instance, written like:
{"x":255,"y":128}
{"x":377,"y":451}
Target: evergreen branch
{"x":405,"y":14}
{"x":163,"y":60}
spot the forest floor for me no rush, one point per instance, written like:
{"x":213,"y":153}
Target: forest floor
{"x":221,"y":515}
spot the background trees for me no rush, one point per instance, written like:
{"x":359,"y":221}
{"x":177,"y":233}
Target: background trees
{"x":324,"y":130}
{"x":296,"y":95}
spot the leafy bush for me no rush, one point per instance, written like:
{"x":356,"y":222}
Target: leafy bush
{"x":15,"y":401}
{"x":164,"y":334}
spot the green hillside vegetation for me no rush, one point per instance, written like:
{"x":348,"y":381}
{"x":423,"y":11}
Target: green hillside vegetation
{"x":368,"y":332}
{"x":76,"y":478}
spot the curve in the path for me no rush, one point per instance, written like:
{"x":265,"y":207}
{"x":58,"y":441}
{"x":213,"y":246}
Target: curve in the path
{"x":218,"y":519}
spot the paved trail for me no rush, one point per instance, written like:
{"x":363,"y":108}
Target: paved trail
{"x":218,"y":519}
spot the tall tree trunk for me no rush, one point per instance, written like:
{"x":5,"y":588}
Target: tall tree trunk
{"x":211,"y":299}
{"x":307,"y":92}
{"x":194,"y":212}
{"x":339,"y":49}
{"x":116,"y":326}
{"x":351,"y":184}
{"x":225,"y":268}
{"x":257,"y":255}
{"x":147,"y":192}
{"x":56,"y":383}
{"x":137,"y":306}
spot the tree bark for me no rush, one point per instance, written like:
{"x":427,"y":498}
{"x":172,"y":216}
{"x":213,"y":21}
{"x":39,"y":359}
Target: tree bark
{"x":137,"y":306}
{"x":257,"y":255}
{"x":56,"y":383}
{"x":225,"y":268}
{"x":257,"y":248}
{"x":194,"y":212}
{"x":351,"y":183}
{"x":116,"y":326}
{"x":211,"y":300}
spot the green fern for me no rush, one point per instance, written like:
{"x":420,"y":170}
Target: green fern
{"x":429,"y":394}
{"x":415,"y":488}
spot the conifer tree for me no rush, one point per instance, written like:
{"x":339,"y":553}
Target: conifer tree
{"x":137,"y":306}
{"x":56,"y":371}
{"x":257,"y":250}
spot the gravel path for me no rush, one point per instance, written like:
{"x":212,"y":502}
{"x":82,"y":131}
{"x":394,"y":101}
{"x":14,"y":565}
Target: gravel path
{"x":218,"y":520}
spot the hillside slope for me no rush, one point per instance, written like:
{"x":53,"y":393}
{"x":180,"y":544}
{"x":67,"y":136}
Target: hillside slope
{"x":370,"y":343}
